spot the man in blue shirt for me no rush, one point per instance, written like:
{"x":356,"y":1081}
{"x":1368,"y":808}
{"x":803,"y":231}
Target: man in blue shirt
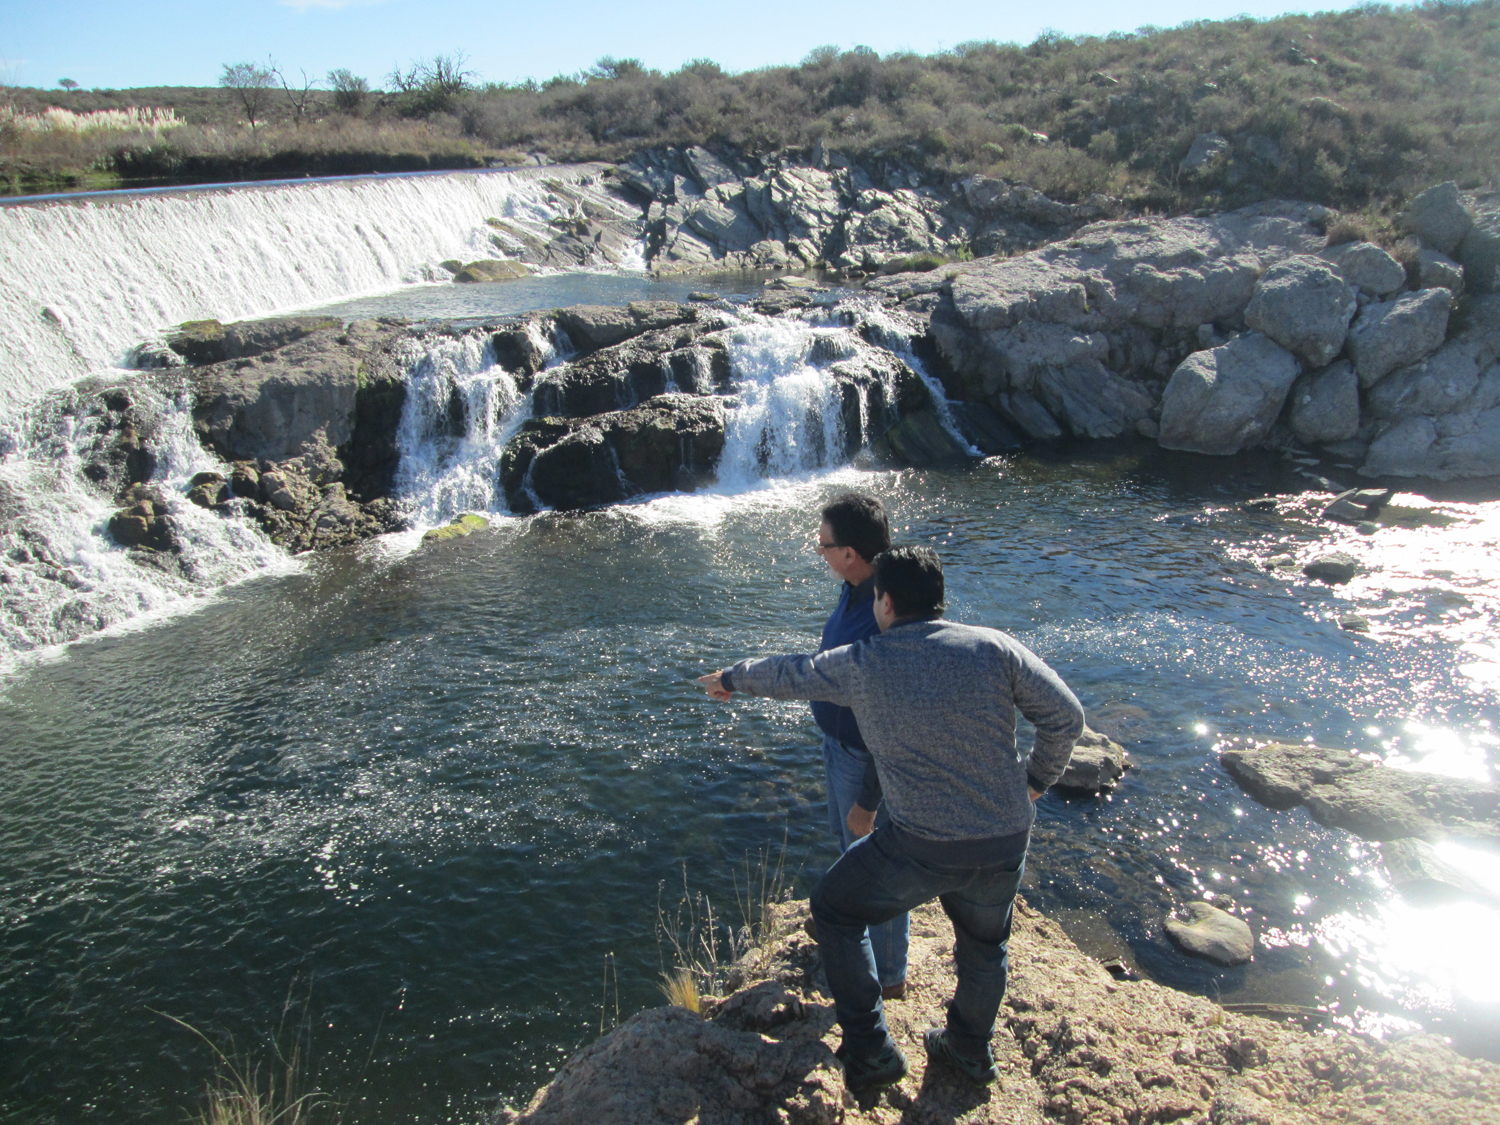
{"x":853,"y":531}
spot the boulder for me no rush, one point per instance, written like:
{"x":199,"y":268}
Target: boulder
{"x":1443,"y":383}
{"x":208,"y":490}
{"x":1392,"y":334}
{"x":1207,"y":149}
{"x":1212,"y":934}
{"x":1438,"y":271}
{"x":1225,"y":399}
{"x":1335,"y":568}
{"x":1324,"y":405}
{"x":1446,"y":447}
{"x":464,"y":525}
{"x":1097,"y":764}
{"x":1366,"y":266}
{"x":492,"y":269}
{"x":580,"y":471}
{"x":1376,"y":802}
{"x":144,"y":524}
{"x":1305,"y":306}
{"x":1480,"y":253}
{"x":1438,"y":217}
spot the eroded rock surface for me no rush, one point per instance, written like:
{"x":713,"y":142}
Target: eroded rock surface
{"x":1073,"y":1045}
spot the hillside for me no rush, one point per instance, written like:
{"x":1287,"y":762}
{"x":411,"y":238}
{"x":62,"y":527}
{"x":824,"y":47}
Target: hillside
{"x":1355,"y":109}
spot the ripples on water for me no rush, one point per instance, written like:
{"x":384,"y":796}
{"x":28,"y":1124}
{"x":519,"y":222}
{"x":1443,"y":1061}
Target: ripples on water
{"x":432,"y":789}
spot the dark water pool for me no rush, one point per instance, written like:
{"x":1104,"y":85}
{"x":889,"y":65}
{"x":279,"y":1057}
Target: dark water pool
{"x":428,"y":793}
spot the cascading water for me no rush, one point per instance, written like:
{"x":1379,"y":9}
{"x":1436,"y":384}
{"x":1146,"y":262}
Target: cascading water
{"x":82,"y":282}
{"x":461,"y":408}
{"x":61,"y":575}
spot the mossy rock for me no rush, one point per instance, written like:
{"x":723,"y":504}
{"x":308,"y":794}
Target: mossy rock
{"x":493,"y":269}
{"x":452,"y":265}
{"x":464,"y":525}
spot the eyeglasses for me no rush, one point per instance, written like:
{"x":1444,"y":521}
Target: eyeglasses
{"x":820,"y":546}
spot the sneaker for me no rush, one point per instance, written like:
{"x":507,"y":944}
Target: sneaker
{"x":979,"y":1071}
{"x":869,"y":1074}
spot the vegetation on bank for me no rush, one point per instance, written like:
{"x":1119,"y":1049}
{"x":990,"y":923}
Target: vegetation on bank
{"x":1353,"y":109}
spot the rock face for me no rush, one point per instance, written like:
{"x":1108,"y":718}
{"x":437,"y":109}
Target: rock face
{"x":1212,"y":934}
{"x":1078,"y":338}
{"x":1378,"y":803}
{"x":1225,"y":399}
{"x":1072,"y":1045}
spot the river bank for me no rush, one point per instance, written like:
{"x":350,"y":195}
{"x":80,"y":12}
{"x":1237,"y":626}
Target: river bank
{"x":1075,"y":1043}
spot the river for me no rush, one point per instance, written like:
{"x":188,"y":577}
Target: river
{"x":420,"y":806}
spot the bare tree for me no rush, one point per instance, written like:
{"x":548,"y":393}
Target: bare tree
{"x":433,"y":85}
{"x":349,"y":90}
{"x":252,"y":84}
{"x":299,"y":97}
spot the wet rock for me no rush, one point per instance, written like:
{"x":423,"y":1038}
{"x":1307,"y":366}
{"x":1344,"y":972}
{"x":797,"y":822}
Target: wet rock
{"x":1438,"y":217}
{"x":492,"y":269}
{"x":1392,"y":334}
{"x":984,"y":429}
{"x":1212,"y":934}
{"x":1366,"y":266}
{"x":1305,"y":306}
{"x":1375,"y":802}
{"x":919,"y":438}
{"x":1354,"y":623}
{"x":591,"y":327}
{"x":1419,"y":873}
{"x":208,"y":490}
{"x":619,"y":376}
{"x":1356,"y":505}
{"x":1324,"y":405}
{"x":463,"y":526}
{"x":144,"y":523}
{"x":1225,"y":399}
{"x":208,"y":341}
{"x":1097,"y":764}
{"x":519,"y":350}
{"x":672,"y":441}
{"x":1334,"y":568}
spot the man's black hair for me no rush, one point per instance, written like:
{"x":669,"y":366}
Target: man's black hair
{"x":858,"y":521}
{"x":913,"y":577}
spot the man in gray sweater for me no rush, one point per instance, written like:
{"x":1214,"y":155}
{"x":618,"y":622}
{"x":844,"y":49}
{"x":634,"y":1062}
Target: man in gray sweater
{"x":937,"y":704}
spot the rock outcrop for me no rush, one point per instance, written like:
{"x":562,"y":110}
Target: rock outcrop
{"x":1376,"y":802}
{"x":1073,"y":1045}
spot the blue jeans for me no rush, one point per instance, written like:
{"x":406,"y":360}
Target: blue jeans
{"x":881,"y":879}
{"x":844,"y":768}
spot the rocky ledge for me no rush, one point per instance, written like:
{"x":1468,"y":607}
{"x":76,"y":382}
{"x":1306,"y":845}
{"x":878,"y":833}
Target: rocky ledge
{"x":1073,"y":1045}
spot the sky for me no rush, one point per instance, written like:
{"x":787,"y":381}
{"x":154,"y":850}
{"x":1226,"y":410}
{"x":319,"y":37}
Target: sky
{"x":124,"y":43}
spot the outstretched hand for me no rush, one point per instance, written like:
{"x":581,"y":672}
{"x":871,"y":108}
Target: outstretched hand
{"x":713,"y":683}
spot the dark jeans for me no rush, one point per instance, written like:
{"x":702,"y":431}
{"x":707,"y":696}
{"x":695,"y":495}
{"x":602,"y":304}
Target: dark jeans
{"x":889,"y":874}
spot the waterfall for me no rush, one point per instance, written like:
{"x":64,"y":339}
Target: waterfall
{"x":461,"y":408}
{"x":81,"y":282}
{"x":61,"y":575}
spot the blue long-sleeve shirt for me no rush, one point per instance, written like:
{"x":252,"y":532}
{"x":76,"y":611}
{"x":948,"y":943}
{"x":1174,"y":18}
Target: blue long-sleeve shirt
{"x":853,"y":619}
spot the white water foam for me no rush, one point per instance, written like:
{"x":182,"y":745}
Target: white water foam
{"x":83,"y":282}
{"x":61,"y":575}
{"x":461,"y":408}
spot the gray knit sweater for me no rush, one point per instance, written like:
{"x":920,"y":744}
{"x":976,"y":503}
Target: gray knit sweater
{"x":937,"y":704}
